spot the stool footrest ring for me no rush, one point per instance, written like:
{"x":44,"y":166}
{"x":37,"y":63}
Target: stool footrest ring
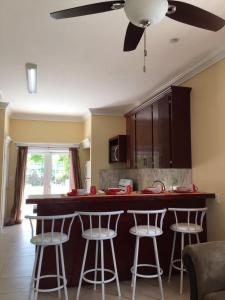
{"x":52,"y":289}
{"x":99,"y":281}
{"x":146,"y":276}
{"x":176,"y":267}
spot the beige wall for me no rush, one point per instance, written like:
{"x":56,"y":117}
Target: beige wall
{"x":28,"y":131}
{"x":87,"y":127}
{"x":208,"y":141}
{"x":46,"y":131}
{"x":103,"y":128}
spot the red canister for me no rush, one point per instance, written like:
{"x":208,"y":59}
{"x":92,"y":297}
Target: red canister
{"x":93,"y":190}
{"x":129,"y":189}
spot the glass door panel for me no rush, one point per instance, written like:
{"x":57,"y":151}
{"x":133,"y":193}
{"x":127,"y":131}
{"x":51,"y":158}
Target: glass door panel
{"x":60,"y":173}
{"x":34,"y":184}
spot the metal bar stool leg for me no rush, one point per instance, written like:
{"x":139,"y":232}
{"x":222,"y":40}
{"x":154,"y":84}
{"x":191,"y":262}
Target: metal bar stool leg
{"x":181,"y":265}
{"x":135,"y":267}
{"x":115,"y":268}
{"x":102,"y":269}
{"x":38,"y":273}
{"x":135,"y":251}
{"x":189,"y":238}
{"x":197,"y":237}
{"x":96,"y":264}
{"x":57,"y":269}
{"x":82,"y":269}
{"x":158,"y":267}
{"x":172,"y":255}
{"x":63,"y":272}
{"x":32,"y":282}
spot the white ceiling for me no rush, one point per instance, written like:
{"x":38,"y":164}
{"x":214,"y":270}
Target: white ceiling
{"x":80,"y":61}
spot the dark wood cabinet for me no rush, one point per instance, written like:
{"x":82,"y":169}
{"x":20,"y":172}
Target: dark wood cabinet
{"x":159,"y":133}
{"x":144,"y":153}
{"x":131,"y":145}
{"x":118,"y":149}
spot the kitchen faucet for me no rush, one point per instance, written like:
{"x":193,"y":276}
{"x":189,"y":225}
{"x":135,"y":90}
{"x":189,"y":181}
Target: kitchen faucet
{"x":161,"y":183}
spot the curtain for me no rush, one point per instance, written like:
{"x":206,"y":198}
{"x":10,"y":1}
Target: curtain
{"x":76,"y":181}
{"x":15,"y":217}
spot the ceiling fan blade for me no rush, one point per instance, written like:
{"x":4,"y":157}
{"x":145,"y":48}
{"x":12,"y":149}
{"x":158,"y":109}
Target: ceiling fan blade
{"x":87,"y":9}
{"x":195,"y":16}
{"x":133,"y":36}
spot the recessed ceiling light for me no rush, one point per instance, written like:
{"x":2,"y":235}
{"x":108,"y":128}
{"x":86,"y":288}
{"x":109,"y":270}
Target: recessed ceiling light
{"x":174,"y":40}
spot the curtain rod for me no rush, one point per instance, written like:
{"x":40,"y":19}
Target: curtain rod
{"x":46,"y":145}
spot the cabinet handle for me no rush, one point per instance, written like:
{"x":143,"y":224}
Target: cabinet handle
{"x":116,"y":153}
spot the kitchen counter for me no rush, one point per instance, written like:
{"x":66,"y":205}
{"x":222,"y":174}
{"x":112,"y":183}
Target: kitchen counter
{"x":63,"y":199}
{"x":124,"y":242}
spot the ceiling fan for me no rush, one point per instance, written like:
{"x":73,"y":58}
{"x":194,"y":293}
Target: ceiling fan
{"x":143,"y":13}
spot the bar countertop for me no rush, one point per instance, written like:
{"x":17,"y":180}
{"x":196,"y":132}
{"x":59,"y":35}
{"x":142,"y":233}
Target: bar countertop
{"x":63,"y":199}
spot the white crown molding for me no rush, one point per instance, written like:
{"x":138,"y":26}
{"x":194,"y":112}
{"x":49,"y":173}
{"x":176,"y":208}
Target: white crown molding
{"x":192,"y":71}
{"x":86,"y":116}
{"x":1,"y":95}
{"x":106,"y":113}
{"x":3,"y":105}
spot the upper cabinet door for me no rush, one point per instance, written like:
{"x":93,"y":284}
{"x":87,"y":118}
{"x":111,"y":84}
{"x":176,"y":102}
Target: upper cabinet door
{"x":144,"y":138}
{"x":131,"y":151}
{"x":180,"y":128}
{"x":161,"y":132}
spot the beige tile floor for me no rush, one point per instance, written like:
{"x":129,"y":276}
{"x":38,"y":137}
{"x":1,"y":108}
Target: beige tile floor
{"x":16,"y":262}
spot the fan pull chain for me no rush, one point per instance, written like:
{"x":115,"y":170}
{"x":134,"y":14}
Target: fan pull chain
{"x":145,"y":51}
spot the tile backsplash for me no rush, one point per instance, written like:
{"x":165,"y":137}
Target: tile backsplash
{"x":144,"y":177}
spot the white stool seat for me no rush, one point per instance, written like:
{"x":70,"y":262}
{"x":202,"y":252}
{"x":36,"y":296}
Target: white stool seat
{"x":186,"y":228}
{"x":144,"y":230}
{"x":47,"y":239}
{"x":99,"y":234}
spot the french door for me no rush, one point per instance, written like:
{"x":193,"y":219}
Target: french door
{"x":48,"y":172}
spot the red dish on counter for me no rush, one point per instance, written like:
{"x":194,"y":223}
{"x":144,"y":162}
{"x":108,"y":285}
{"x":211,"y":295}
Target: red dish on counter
{"x":150,"y":192}
{"x":114,"y":192}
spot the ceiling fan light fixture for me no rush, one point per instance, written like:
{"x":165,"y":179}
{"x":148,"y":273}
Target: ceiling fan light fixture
{"x":151,"y":11}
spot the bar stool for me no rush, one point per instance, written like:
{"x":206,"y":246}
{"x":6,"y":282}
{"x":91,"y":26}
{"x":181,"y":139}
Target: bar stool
{"x":188,"y":221}
{"x":102,"y":226}
{"x":55,"y":231}
{"x":151,"y":229}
